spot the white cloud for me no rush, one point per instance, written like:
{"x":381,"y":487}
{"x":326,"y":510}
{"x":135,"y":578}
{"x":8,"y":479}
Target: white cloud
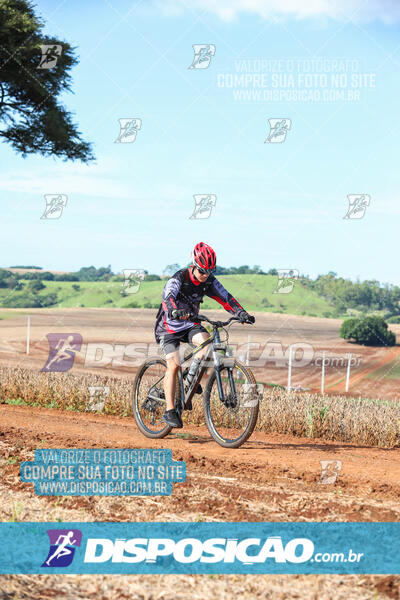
{"x":387,"y":11}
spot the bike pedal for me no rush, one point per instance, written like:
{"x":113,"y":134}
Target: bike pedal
{"x":199,"y":389}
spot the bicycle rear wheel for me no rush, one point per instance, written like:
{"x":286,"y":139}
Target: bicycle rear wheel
{"x":231,"y":422}
{"x":148,"y":400}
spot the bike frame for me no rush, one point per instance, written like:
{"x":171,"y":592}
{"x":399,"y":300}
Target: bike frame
{"x":219,"y":362}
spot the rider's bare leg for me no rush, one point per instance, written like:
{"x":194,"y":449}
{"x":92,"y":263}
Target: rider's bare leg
{"x":170,"y":379}
{"x":198,"y":339}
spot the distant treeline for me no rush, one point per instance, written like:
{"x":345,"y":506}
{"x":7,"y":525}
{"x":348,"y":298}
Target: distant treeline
{"x":106,"y":274}
{"x":365,"y":296}
{"x":24,"y":267}
{"x":343,"y":294}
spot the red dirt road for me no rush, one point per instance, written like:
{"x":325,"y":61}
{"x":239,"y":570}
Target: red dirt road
{"x":293,"y":462}
{"x":271,"y":478}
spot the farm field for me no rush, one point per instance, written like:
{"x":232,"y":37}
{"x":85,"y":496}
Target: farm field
{"x":374,"y":371}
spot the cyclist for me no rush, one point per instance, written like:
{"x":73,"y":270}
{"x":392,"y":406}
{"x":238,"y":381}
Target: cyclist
{"x":181,"y":299}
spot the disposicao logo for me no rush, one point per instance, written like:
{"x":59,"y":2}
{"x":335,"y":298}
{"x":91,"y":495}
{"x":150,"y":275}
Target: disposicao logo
{"x":190,"y":550}
{"x":63,"y":543}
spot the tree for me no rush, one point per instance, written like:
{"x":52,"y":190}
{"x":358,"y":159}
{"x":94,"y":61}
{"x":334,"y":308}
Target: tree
{"x":46,"y":276}
{"x":171,"y":269}
{"x":93,"y":274}
{"x":24,"y":267}
{"x":66,"y":277}
{"x":8,"y":279}
{"x":31,"y":119}
{"x":258,"y":269}
{"x":368,"y":331}
{"x":152,"y":277}
{"x":36,"y":286}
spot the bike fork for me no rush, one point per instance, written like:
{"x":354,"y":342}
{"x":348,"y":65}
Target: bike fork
{"x":219,"y":363}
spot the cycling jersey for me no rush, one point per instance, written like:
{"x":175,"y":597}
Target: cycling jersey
{"x":182,"y":290}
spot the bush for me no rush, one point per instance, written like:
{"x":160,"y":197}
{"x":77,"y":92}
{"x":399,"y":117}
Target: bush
{"x":266,"y":302}
{"x":152,"y":277}
{"x":394,"y":319}
{"x":66,"y":277}
{"x":76,"y":287}
{"x":368,"y":331}
{"x":49,"y":300}
{"x":46,"y":275}
{"x":8,"y":282}
{"x":21,"y":302}
{"x":30,"y":301}
{"x":150,"y":305}
{"x":36,"y":286}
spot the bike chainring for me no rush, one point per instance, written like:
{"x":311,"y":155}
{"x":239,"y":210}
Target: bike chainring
{"x":151,"y":404}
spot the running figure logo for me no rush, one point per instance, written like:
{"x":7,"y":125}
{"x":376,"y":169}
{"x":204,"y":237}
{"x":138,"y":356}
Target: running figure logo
{"x":203,"y":54}
{"x":357,"y":205}
{"x":330,"y":470}
{"x":55,"y":203}
{"x":286,"y":279}
{"x":49,"y":56}
{"x":63,"y":543}
{"x":203,"y":205}
{"x":133,"y":279}
{"x":278,"y":129}
{"x":252,"y":394}
{"x":62,"y":351}
{"x":128,"y":130}
{"x":98,"y":396}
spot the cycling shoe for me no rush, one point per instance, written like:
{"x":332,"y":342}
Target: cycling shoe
{"x":172,"y":418}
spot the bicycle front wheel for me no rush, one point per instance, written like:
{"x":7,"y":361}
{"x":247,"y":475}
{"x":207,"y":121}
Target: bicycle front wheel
{"x":231,"y":421}
{"x":148,"y":401}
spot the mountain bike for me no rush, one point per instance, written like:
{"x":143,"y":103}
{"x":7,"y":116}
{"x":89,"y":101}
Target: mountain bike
{"x":230,"y":399}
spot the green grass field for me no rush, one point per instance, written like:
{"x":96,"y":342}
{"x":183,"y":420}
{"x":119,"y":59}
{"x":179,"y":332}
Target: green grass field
{"x":254,"y":292}
{"x":12,"y":315}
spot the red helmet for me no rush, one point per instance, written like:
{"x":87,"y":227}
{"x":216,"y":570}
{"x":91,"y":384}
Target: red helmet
{"x":203,"y":257}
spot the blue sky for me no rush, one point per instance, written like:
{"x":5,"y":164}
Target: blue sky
{"x":278,"y":204}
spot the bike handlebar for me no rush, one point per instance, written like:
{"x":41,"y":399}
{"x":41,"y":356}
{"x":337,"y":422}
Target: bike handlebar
{"x":199,"y":318}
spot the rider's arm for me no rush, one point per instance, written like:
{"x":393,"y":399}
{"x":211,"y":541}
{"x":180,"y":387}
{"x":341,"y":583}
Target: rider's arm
{"x":169,"y":294}
{"x":221,"y":295}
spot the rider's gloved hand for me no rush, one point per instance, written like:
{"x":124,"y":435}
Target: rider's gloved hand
{"x":180,"y":313}
{"x":245,"y":317}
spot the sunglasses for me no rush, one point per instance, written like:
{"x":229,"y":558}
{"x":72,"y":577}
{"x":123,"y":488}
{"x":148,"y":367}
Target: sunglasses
{"x":205,"y":271}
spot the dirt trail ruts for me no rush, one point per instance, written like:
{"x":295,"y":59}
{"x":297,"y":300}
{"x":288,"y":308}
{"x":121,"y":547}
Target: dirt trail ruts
{"x":264,"y":458}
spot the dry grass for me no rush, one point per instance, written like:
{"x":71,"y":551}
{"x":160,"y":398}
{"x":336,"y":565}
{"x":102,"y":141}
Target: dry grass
{"x":198,"y":587}
{"x":63,"y":390}
{"x":338,"y":418}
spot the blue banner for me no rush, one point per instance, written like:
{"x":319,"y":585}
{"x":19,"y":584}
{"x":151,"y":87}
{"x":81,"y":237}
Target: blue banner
{"x":103,"y":472}
{"x":372,"y":548}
